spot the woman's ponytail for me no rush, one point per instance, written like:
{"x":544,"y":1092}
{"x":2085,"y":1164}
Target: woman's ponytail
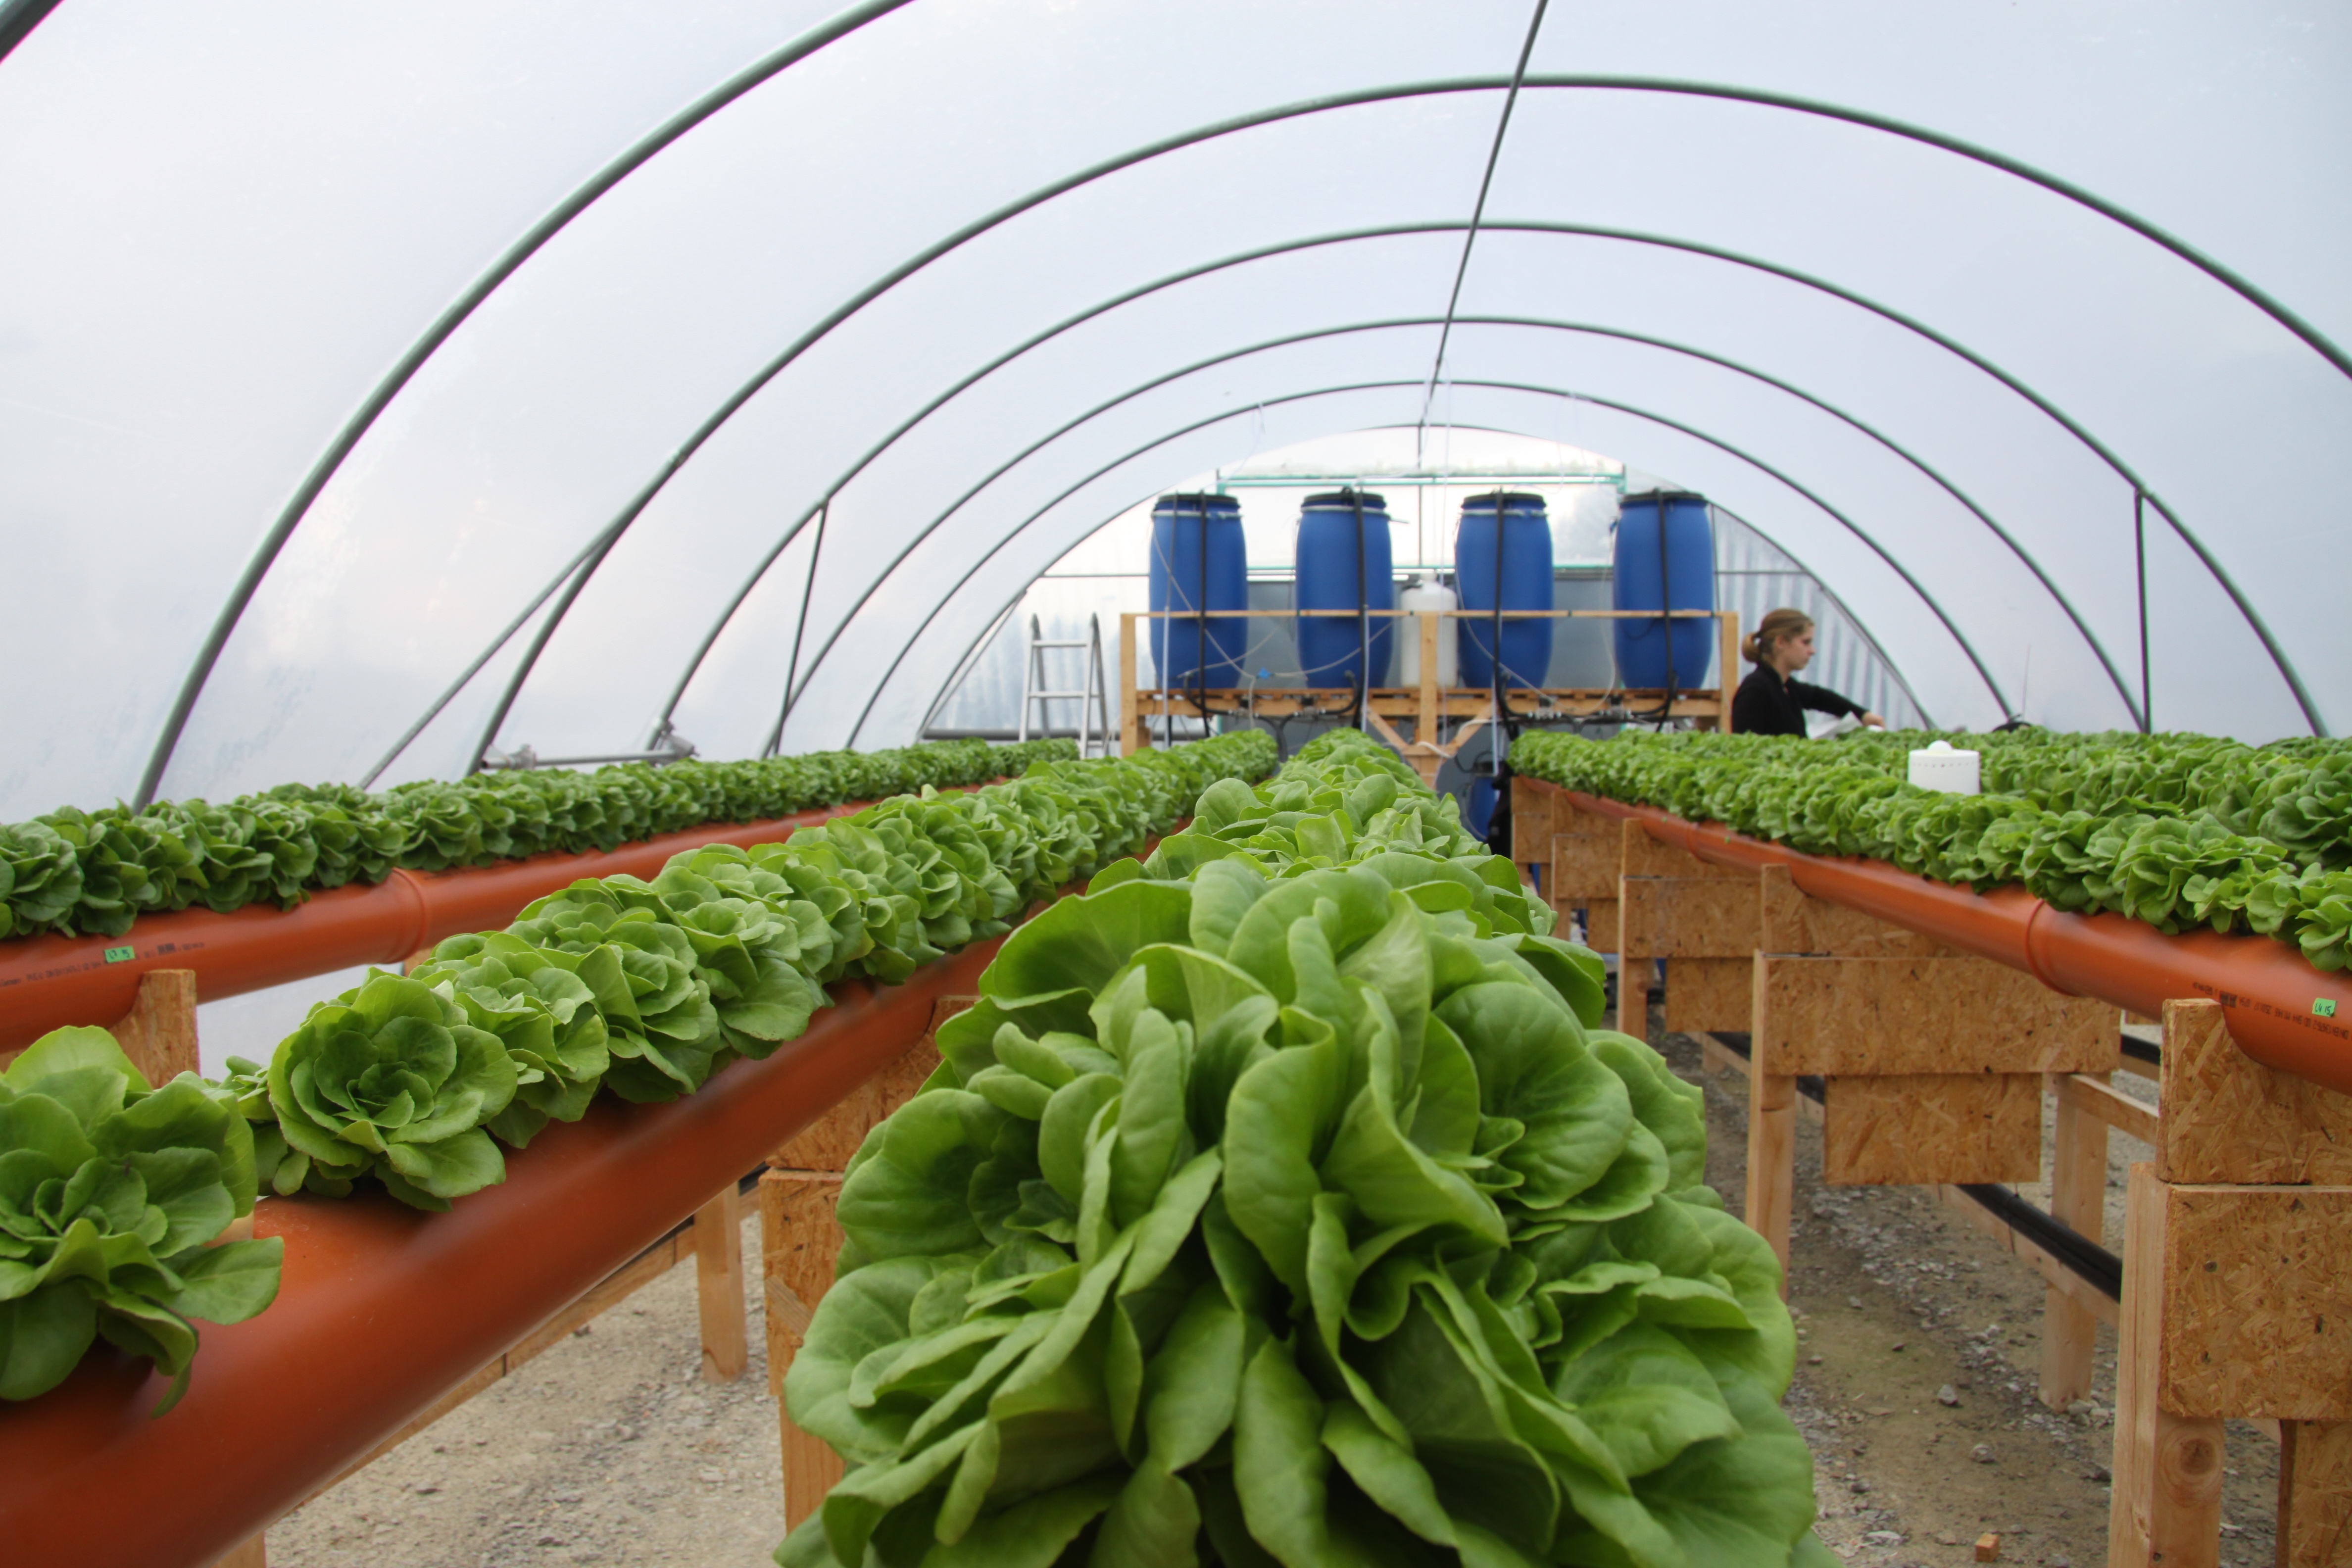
{"x":1777,"y":624}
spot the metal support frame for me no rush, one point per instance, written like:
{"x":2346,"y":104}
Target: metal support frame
{"x":880,"y":686}
{"x":340,"y":448}
{"x":1092,"y":696}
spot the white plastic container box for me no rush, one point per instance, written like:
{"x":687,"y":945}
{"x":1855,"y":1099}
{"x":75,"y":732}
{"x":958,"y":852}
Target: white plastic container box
{"x":1945,"y":770}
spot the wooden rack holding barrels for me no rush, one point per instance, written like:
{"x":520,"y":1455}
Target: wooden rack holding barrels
{"x":2237,"y":1262}
{"x":1427,"y":708}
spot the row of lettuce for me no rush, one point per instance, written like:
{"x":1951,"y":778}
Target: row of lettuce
{"x":114,"y":1195}
{"x":1281,"y":1202}
{"x":96,"y":872}
{"x":2180,"y":831}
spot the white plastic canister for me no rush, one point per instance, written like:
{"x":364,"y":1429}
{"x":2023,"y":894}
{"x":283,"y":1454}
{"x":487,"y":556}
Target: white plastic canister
{"x":1945,"y":770}
{"x":1424,"y":595}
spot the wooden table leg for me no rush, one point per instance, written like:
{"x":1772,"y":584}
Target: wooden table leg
{"x":798,"y":1241}
{"x":2078,"y":1181}
{"x":2166,"y":1507}
{"x":1771,"y":1160}
{"x":718,"y":1278}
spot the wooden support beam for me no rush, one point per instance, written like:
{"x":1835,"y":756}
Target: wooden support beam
{"x":159,"y":1033}
{"x":1532,"y":808}
{"x":1130,"y":695}
{"x":1710,"y":993}
{"x":1425,"y":719}
{"x":1771,"y":1160}
{"x":719,"y":1283}
{"x":2166,"y":1510}
{"x":1648,"y":856}
{"x":1726,"y":663}
{"x":2078,"y":1185}
{"x":1877,"y":1015}
{"x":1689,"y":917}
{"x":2315,"y":1508}
{"x":1793,"y":921}
{"x":1920,"y":1128}
{"x":799,"y":1240}
{"x":2227,"y":1118}
{"x":2257,"y":1296}
{"x":2092,"y":1096}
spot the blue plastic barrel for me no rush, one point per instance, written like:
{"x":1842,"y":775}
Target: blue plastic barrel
{"x":1199,"y":562}
{"x":1665,"y":560}
{"x":1506,"y":535}
{"x":1344,"y":564}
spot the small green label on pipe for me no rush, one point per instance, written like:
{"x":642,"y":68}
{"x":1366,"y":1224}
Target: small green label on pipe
{"x":119,"y":954}
{"x":2325,"y":1007}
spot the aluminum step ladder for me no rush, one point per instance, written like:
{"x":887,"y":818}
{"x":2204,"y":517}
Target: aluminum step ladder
{"x":1093,"y":697}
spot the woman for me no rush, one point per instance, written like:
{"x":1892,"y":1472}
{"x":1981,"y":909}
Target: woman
{"x":1770,"y":702}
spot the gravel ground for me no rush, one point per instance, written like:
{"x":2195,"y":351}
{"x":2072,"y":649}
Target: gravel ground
{"x":1915,"y":1387}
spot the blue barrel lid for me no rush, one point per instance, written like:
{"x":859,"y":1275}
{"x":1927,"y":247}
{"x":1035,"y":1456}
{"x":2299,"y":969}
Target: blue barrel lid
{"x":1202,"y":503}
{"x":1348,"y":501}
{"x":1664,"y":495}
{"x":1511,"y":501}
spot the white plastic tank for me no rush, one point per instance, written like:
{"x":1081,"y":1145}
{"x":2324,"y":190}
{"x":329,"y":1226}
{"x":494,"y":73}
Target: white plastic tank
{"x":1424,"y":595}
{"x":1945,"y":770}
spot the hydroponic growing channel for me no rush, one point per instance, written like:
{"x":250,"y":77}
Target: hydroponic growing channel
{"x":588,"y":584}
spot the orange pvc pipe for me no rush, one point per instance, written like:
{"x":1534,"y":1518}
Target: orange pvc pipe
{"x":51,"y":982}
{"x":384,"y":1309}
{"x":2281,"y":1012}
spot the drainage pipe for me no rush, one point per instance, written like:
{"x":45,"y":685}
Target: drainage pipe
{"x":384,"y":1309}
{"x":2281,"y":1012}
{"x":51,"y":982}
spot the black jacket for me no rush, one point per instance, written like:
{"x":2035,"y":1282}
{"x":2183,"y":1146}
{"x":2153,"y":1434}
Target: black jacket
{"x":1768,"y":705}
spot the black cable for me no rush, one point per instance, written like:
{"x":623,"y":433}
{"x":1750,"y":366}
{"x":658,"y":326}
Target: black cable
{"x":1363,"y":617}
{"x":1201,"y":621}
{"x":1666,"y":609}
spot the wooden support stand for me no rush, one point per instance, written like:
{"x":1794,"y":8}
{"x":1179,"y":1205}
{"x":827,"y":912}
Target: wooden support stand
{"x":2237,"y":1289}
{"x":159,"y":1036}
{"x":718,"y":1286}
{"x":1702,"y":919}
{"x":1580,"y":854}
{"x":1933,"y":1059}
{"x":800,"y":1239}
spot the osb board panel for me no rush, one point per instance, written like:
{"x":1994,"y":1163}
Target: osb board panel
{"x":1603,"y":930}
{"x":1531,"y":814}
{"x":1686,"y":917}
{"x":800,"y":1239}
{"x":2315,"y":1525}
{"x":2227,"y":1118}
{"x":1703,"y":994}
{"x":1647,"y":857}
{"x":2258,"y":1301}
{"x":1795,"y":922}
{"x":1585,"y":867}
{"x":1923,"y":1128}
{"x":1874,"y":1016}
{"x":827,"y":1144}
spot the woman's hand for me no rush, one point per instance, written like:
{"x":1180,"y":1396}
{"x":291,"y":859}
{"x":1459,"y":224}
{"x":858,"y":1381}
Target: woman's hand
{"x":1873,"y":721}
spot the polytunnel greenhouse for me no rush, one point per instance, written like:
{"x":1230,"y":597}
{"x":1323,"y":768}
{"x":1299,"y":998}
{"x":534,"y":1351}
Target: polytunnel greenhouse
{"x":1110,"y":783}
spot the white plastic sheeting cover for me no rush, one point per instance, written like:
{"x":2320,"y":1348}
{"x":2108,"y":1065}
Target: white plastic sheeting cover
{"x":487,"y":369}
